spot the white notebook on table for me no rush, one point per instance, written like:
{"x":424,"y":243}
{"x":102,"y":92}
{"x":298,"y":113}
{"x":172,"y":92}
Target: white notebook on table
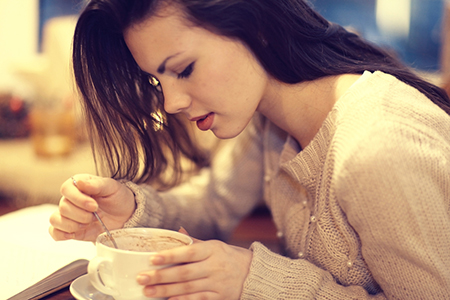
{"x":27,"y":251}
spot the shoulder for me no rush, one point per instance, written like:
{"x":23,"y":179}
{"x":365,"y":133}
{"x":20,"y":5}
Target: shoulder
{"x":382,"y":112}
{"x":388,"y":136}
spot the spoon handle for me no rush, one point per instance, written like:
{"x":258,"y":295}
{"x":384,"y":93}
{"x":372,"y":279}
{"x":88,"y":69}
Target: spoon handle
{"x":106,"y":230}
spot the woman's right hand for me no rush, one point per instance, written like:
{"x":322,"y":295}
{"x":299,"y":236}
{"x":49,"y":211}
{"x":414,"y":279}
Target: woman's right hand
{"x":74,"y":219}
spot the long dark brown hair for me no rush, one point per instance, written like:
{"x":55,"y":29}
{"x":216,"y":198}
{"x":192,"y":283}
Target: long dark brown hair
{"x":132,"y":135}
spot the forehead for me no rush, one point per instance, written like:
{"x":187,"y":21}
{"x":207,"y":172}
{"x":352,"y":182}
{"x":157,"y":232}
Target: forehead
{"x":166,"y":19}
{"x":157,"y":36}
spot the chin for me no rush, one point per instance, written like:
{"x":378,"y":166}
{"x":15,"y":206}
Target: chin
{"x":226,"y":134}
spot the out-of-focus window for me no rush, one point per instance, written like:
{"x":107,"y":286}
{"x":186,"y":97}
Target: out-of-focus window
{"x":55,"y":8}
{"x":411,"y":28}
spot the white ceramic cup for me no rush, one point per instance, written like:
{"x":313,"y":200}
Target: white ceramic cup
{"x":113,"y":271}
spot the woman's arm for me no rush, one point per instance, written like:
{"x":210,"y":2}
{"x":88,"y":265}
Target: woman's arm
{"x":398,"y":201}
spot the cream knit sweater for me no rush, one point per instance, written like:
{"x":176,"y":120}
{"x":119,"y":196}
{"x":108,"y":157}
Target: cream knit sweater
{"x":363,"y":211}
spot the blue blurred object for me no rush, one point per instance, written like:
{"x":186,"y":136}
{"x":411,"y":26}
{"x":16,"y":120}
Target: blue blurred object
{"x":56,"y":8}
{"x":420,"y":49}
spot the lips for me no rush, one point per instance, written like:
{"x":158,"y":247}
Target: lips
{"x":205,"y":122}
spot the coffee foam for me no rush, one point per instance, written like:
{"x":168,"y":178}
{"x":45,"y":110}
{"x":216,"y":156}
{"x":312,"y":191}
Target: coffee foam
{"x":143,"y":243}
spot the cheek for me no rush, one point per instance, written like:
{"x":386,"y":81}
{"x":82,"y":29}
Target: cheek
{"x":213,"y":83}
{"x":236,"y":80}
{"x":220,"y":73}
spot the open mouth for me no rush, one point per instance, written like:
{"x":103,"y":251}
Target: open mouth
{"x":205,"y":122}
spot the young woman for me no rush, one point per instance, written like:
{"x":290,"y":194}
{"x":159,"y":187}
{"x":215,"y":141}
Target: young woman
{"x":348,"y":148}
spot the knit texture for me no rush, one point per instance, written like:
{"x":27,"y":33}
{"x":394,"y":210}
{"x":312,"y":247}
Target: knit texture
{"x":362,"y":212}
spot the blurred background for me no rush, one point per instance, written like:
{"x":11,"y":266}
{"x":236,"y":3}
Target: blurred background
{"x":42,"y":139}
{"x":410,"y":28}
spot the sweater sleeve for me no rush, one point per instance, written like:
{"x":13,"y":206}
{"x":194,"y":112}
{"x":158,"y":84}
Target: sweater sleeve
{"x":400,"y":209}
{"x":398,"y":201}
{"x":273,"y":276}
{"x":211,"y":204}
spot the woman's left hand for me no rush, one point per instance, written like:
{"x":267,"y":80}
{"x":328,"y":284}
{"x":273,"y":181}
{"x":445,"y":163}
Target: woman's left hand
{"x":206,"y":270}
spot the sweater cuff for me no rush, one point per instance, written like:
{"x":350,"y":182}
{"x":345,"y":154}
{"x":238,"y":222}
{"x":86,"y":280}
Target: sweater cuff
{"x":273,"y":276}
{"x":263,"y":280}
{"x":148,"y":211}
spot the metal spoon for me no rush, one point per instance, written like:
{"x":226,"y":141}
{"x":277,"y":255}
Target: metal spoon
{"x":100,"y":220}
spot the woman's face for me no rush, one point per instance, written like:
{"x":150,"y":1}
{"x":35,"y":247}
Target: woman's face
{"x":213,"y":80}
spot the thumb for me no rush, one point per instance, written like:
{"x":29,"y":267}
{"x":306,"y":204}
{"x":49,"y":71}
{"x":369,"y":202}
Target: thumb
{"x":184,"y":231}
{"x":96,"y":186}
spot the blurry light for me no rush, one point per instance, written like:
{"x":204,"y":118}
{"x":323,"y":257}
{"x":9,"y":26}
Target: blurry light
{"x":153,"y":81}
{"x":393,"y":17}
{"x":158,"y":121}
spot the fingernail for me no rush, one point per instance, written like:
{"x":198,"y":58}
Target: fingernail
{"x":157,"y":259}
{"x":149,"y":291}
{"x":69,"y":236}
{"x":143,"y":279}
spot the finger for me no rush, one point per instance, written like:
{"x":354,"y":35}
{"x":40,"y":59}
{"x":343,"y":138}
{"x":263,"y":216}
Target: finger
{"x":184,"y":254}
{"x":181,"y":288}
{"x":179,"y":273}
{"x":183,"y":231}
{"x":79,"y":235}
{"x":201,"y":295}
{"x":76,"y":197}
{"x":96,"y":186}
{"x":68,"y":210}
{"x":88,"y":234}
{"x":59,"y":235}
{"x":66,"y":225}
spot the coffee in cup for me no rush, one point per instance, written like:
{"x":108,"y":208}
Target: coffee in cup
{"x":114,"y":271}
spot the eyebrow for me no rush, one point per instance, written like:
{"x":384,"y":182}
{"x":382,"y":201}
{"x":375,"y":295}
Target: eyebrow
{"x":162,"y":67}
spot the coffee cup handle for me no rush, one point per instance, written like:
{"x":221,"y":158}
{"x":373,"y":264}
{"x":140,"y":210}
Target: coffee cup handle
{"x":94,"y":275}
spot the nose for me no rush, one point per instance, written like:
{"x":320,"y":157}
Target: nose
{"x":175,"y":99}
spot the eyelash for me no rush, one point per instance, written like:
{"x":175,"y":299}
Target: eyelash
{"x":186,"y":72}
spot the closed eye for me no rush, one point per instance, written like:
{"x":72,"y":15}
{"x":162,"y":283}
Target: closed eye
{"x":187,"y":72}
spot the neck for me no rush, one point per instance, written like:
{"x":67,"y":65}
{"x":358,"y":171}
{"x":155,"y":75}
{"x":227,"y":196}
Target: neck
{"x":300,"y":109}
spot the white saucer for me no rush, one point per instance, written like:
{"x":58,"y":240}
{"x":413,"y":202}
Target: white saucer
{"x":82,"y":289}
